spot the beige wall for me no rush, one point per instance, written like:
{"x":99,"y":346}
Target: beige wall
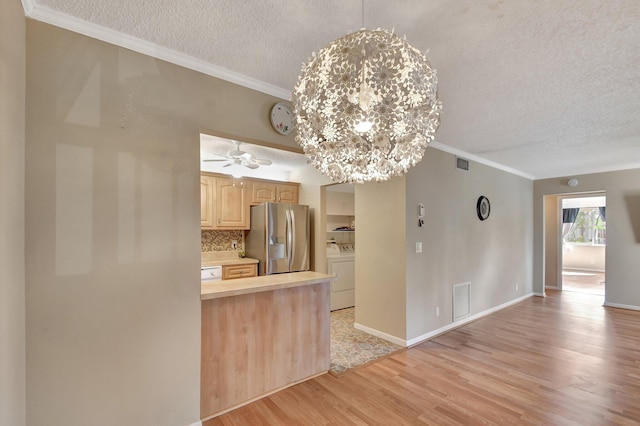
{"x":552,"y":206}
{"x":623,"y":230}
{"x":586,"y":257}
{"x":12,"y":294}
{"x":311,"y":193}
{"x":494,"y":255}
{"x":381,"y":271}
{"x":113,"y":233}
{"x":340,"y":203}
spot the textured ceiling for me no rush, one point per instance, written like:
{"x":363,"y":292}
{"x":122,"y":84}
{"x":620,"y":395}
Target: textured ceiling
{"x":547,"y":87}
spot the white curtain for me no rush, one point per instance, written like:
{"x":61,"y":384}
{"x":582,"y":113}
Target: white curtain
{"x":568,"y":218}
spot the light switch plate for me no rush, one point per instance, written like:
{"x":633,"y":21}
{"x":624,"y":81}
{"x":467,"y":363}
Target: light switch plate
{"x":419,"y":247}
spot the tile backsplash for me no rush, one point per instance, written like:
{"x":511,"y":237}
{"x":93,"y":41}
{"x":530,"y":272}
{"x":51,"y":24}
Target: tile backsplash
{"x":214,"y":240}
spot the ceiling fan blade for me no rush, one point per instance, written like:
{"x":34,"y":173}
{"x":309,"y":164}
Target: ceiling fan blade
{"x":227,"y":165}
{"x":263,"y":161}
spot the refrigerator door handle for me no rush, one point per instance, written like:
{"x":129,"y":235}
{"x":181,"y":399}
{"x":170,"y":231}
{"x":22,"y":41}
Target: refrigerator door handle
{"x":292,"y":247}
{"x":289,"y":232}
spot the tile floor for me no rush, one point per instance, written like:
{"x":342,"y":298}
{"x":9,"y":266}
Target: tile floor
{"x":350,"y":347}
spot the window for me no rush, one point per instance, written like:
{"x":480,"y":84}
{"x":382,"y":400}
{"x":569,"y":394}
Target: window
{"x":589,"y":228}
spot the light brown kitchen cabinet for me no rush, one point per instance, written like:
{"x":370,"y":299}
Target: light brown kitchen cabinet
{"x":232,"y":206}
{"x":225,"y":201}
{"x":207,"y":202}
{"x":273,"y":192}
{"x":230,"y":272}
{"x":263,"y":192}
{"x":287,"y":193}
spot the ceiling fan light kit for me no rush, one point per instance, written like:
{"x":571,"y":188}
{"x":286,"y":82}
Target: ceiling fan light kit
{"x":366,"y":107}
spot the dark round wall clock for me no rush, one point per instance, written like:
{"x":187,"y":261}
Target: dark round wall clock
{"x":483,"y":207}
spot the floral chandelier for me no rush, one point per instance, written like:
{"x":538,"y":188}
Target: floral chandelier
{"x":366,"y":107}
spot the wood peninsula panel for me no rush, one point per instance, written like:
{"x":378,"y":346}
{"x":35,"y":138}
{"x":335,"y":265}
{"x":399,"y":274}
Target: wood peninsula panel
{"x":253,"y":344}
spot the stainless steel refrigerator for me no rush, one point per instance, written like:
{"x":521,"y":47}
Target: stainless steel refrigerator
{"x":279,"y":238}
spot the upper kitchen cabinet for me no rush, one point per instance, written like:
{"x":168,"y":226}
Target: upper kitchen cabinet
{"x":274,"y":192}
{"x":207,"y":202}
{"x":232,"y":207}
{"x":263,"y":192}
{"x":223,"y":203}
{"x":287,"y":193}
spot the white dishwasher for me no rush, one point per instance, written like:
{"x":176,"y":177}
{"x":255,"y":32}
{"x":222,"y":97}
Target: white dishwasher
{"x":210,"y":273}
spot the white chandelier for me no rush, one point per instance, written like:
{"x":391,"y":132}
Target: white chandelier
{"x":366,"y":107}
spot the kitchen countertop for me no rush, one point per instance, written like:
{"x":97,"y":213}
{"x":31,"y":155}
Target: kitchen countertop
{"x":226,"y":288}
{"x":233,"y":261}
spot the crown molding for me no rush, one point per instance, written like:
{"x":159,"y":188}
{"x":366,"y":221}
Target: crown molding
{"x":62,"y":20}
{"x":477,"y":159}
{"x":593,"y":170}
{"x":28,"y":6}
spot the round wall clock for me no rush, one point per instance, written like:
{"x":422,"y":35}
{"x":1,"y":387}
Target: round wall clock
{"x":281,"y":118}
{"x":483,"y":207}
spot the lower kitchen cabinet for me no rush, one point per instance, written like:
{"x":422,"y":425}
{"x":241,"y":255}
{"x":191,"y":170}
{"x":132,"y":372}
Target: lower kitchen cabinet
{"x":230,"y":272}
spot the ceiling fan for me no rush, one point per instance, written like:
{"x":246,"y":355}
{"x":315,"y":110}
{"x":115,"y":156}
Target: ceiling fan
{"x":241,"y":158}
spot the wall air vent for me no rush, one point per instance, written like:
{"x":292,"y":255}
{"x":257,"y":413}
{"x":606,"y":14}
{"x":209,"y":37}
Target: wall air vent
{"x":462,"y":164}
{"x":461,"y":300}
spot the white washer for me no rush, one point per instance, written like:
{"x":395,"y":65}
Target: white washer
{"x":343,"y":266}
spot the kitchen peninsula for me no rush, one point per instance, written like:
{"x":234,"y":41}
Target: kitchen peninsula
{"x":260,"y":335}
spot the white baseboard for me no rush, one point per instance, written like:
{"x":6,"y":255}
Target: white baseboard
{"x":456,"y":324}
{"x":198,"y":423}
{"x":380,"y":334}
{"x":427,"y":336}
{"x":621,"y":306}
{"x":584,"y":269}
{"x":540,"y":294}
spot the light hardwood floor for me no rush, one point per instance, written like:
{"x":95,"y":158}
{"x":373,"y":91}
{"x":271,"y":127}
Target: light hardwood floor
{"x":559,"y":360}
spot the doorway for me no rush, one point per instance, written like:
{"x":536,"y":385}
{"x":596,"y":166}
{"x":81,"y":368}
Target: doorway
{"x":582,"y":244}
